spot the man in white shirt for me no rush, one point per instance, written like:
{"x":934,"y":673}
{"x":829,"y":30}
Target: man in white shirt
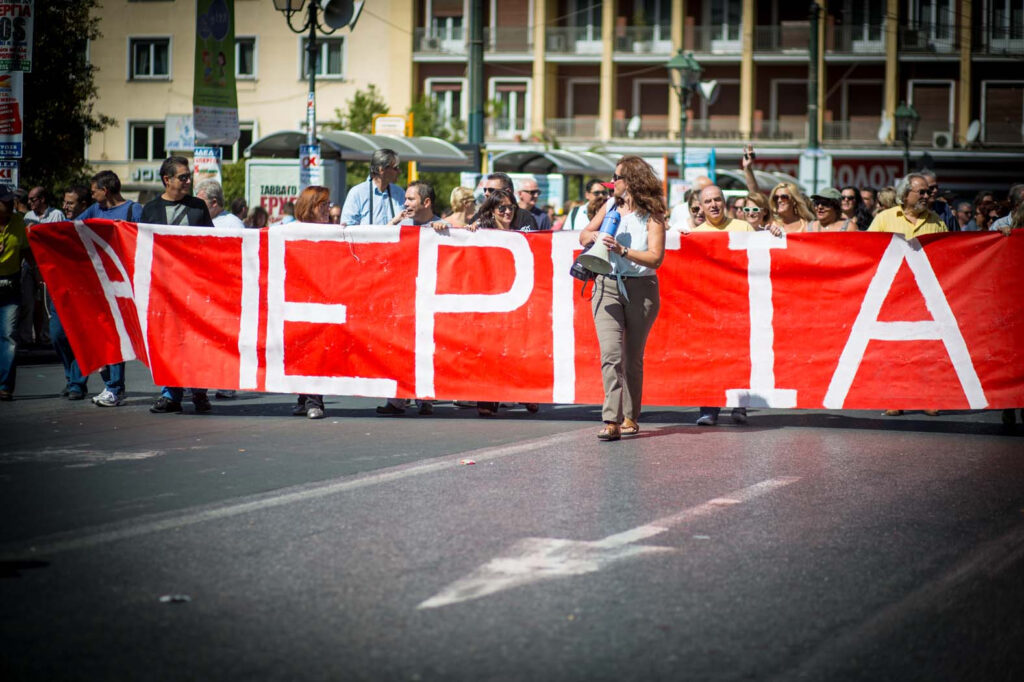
{"x":212,"y":193}
{"x":378,"y":200}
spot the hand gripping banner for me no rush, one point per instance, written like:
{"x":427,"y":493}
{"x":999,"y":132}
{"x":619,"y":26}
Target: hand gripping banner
{"x":840,"y":321}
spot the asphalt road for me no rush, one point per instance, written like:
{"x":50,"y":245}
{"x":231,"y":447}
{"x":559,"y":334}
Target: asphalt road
{"x":251,"y":545}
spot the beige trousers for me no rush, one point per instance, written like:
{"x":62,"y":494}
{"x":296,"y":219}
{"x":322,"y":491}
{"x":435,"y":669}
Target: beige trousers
{"x":622,"y":329}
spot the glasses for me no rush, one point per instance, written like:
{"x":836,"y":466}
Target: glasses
{"x":616,"y":177}
{"x":849,"y":197}
{"x":823,"y":204}
{"x":37,"y":197}
{"x":393,"y":168}
{"x":695,"y":209}
{"x":932,"y":189}
{"x":505,"y":208}
{"x":600,"y":192}
{"x":780,"y":197}
{"x":488,"y":190}
{"x":531,"y":192}
{"x":184,"y":177}
{"x":751,"y":209}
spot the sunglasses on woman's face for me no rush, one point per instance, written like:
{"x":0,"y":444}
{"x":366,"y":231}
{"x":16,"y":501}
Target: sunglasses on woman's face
{"x":751,"y":209}
{"x":505,"y":208}
{"x":695,"y":209}
{"x":780,"y":197}
{"x":849,"y":197}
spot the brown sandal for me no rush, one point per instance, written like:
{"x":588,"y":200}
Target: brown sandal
{"x":610,"y":431}
{"x":629,"y":427}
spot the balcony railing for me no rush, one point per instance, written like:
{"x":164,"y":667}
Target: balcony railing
{"x":996,"y":40}
{"x":857,"y":131}
{"x":856,"y":40}
{"x":512,"y":39}
{"x":508,"y":39}
{"x":580,"y":127}
{"x":651,"y":127}
{"x":428,"y":41}
{"x":507,"y":128}
{"x":788,"y":36}
{"x":718,"y":40}
{"x":644,"y":40}
{"x":929,"y":39}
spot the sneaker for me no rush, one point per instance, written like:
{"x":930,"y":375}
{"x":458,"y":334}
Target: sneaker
{"x":164,"y":405}
{"x":315,"y":413}
{"x":76,"y":395}
{"x":739,"y":415}
{"x":224,"y":394}
{"x":201,"y":403}
{"x":892,"y":413}
{"x":532,"y":408}
{"x":389,"y":410}
{"x":707,"y":420}
{"x":108,"y":398}
{"x":300,"y":408}
{"x":426,"y":408}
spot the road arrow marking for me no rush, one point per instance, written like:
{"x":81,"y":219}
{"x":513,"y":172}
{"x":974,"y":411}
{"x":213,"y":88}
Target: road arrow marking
{"x":534,"y":560}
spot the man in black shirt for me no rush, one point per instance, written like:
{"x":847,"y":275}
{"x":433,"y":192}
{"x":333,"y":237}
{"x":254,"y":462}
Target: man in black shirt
{"x":177,"y":206}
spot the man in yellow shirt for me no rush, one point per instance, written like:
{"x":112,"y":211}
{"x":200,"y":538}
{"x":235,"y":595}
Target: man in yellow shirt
{"x":712,"y":204}
{"x":910,"y":216}
{"x":13,"y":247}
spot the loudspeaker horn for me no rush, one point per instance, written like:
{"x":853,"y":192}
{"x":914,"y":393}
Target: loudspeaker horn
{"x":337,"y":13}
{"x":596,"y":259}
{"x":709,"y":90}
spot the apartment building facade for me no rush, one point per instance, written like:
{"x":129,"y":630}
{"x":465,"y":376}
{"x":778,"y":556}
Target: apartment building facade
{"x":591,"y":74}
{"x":587,"y":72}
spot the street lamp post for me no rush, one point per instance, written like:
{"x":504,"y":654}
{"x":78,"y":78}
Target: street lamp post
{"x":684,"y":74}
{"x":290,"y":8}
{"x":906,"y":122}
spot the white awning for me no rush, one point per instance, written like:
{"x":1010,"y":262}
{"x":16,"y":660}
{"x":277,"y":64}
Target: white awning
{"x":347,"y":146}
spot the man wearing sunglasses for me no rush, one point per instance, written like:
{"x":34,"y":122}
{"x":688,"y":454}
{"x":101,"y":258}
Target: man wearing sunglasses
{"x":527,"y":195}
{"x":578,"y":219}
{"x":177,"y":206}
{"x":522,"y":220}
{"x":378,"y":200}
{"x":938,"y":204}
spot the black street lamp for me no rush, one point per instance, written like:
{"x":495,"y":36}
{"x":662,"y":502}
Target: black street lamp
{"x":335,"y":15}
{"x":684,"y":74}
{"x":906,"y":123}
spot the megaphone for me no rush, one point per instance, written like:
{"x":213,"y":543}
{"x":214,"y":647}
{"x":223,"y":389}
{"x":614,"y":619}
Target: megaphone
{"x":338,"y":13}
{"x":709,"y":90}
{"x":596,"y":258}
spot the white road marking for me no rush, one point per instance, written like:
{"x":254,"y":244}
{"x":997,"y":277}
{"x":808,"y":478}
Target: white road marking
{"x":98,"y":535}
{"x":536,"y":559}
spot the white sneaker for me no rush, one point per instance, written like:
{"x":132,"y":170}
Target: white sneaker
{"x":315,"y":413}
{"x":108,"y":398}
{"x":739,"y":415}
{"x":707,"y":420}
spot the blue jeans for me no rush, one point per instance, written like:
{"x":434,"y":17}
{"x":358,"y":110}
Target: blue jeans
{"x":113,"y":377}
{"x":75,"y":382}
{"x":176,"y":393}
{"x":8,"y":368}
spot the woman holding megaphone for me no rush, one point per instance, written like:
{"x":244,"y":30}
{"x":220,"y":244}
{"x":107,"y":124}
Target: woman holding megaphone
{"x":628,"y":237}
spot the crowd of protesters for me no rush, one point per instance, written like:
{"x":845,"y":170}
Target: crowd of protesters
{"x":625,"y":302}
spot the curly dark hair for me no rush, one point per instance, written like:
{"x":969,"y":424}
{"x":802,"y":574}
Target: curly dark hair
{"x":644,"y":186}
{"x":485,"y":214}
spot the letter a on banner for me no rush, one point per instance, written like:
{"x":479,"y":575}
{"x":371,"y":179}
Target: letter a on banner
{"x":867,"y":327}
{"x":214,"y":100}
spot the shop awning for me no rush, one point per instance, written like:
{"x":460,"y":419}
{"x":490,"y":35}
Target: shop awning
{"x":554,"y":161}
{"x":347,"y":146}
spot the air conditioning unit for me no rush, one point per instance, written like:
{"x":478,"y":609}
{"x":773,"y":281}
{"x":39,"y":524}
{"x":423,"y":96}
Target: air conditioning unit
{"x":942,"y":139}
{"x":430,"y":44}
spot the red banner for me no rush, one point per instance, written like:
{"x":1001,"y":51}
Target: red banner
{"x":863,"y":320}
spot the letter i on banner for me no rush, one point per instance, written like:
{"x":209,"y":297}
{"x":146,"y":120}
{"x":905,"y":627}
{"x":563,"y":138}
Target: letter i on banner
{"x":762,"y":391}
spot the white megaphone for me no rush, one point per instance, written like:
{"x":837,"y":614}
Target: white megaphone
{"x":596,"y":258}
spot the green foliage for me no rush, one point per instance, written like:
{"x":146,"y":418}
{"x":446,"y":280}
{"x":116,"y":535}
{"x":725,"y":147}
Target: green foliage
{"x":359,"y":111}
{"x":60,"y":93}
{"x":233,"y":180}
{"x":429,"y":121}
{"x":357,"y":117}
